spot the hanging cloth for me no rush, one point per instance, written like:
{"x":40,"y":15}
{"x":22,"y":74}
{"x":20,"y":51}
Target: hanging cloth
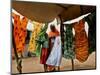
{"x":20,"y":32}
{"x":81,"y":42}
{"x":40,"y":39}
{"x":68,"y":43}
{"x":32,"y":44}
{"x":91,"y":20}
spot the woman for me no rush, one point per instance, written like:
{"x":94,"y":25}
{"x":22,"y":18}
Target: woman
{"x":54,"y":58}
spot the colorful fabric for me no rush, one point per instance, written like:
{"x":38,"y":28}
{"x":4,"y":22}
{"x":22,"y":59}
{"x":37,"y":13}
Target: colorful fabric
{"x":20,"y":32}
{"x":81,"y":42}
{"x":91,"y":20}
{"x":54,"y":58}
{"x":32,"y":44}
{"x":44,"y":55}
{"x":41,"y":40}
{"x":68,"y":43}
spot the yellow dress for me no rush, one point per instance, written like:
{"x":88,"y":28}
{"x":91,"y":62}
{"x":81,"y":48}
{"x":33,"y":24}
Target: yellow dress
{"x":32,"y":44}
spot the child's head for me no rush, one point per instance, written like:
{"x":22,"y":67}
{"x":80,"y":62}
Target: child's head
{"x":52,"y":27}
{"x":46,"y":35}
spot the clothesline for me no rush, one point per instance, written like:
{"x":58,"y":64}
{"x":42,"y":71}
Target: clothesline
{"x":76,"y":19}
{"x":30,"y":24}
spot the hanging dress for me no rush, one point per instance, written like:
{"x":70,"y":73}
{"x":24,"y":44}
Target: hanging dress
{"x":68,"y":43}
{"x":32,"y":43}
{"x":81,"y":42}
{"x":91,"y":19}
{"x":54,"y":58}
{"x":20,"y":32}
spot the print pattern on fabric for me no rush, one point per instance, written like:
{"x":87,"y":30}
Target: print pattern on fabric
{"x":68,"y":43}
{"x":34,"y":35}
{"x":81,"y":42}
{"x":20,"y":32}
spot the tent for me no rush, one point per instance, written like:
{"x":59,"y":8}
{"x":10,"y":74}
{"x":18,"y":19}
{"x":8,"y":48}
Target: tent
{"x":46,"y":12}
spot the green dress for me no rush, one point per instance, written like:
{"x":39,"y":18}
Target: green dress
{"x":68,"y":43}
{"x":40,"y":40}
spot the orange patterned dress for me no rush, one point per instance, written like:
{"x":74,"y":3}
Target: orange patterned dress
{"x":81,"y":42}
{"x":20,"y":32}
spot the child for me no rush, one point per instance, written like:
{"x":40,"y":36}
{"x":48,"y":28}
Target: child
{"x":44,"y":52}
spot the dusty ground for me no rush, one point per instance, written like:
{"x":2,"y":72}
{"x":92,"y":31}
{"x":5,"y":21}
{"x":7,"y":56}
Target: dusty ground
{"x":32,"y":64}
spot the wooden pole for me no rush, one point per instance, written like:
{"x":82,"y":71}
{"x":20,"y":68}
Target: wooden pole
{"x":62,"y":33}
{"x":72,"y":64}
{"x":62,"y":39}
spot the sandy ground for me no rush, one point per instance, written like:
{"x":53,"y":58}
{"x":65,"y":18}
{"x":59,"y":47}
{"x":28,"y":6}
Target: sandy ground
{"x":31,"y":65}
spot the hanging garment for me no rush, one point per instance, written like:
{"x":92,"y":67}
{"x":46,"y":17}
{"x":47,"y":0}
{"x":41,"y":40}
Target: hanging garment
{"x":91,"y":20}
{"x":68,"y":43}
{"x":34,"y":35}
{"x":20,"y":32}
{"x":81,"y":42}
{"x":40,"y":39}
{"x":54,"y":58}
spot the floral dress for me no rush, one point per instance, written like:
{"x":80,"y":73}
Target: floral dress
{"x":20,"y":32}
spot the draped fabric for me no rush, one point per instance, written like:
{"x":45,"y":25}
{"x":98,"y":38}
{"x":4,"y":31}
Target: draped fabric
{"x":52,"y":34}
{"x":54,"y":58}
{"x":44,"y":55}
{"x":81,"y":42}
{"x":91,"y":20}
{"x":68,"y":43}
{"x":20,"y":32}
{"x":32,"y":43}
{"x":41,"y":40}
